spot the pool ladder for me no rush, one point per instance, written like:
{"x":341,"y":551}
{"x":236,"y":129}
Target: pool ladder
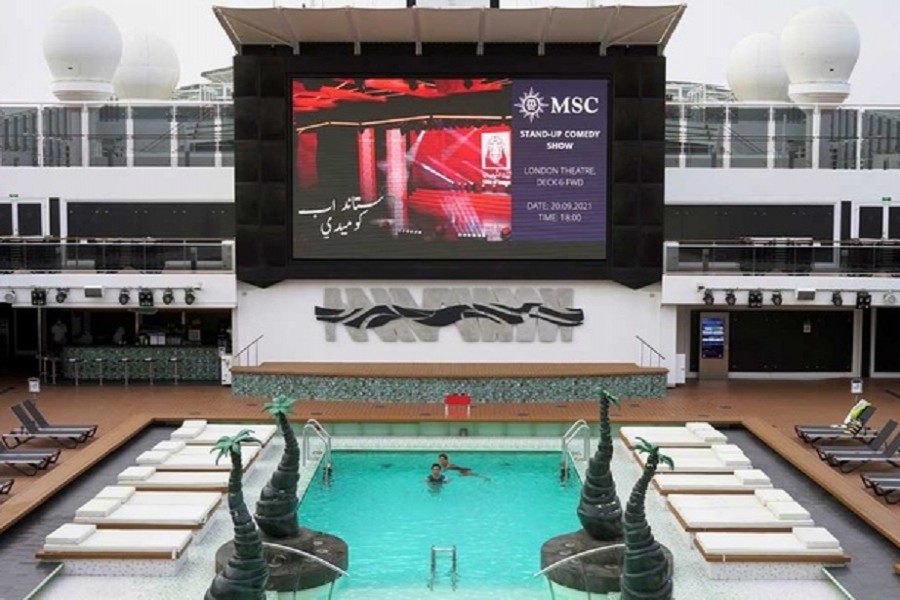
{"x":314,"y":426}
{"x":435,"y":550}
{"x":578,"y":427}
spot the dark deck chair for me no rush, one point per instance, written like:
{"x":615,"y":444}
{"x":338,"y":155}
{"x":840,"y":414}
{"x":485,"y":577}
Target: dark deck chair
{"x":850,"y":461}
{"x":874,"y":444}
{"x":42,"y":423}
{"x":6,"y":485}
{"x":814,"y":433}
{"x":28,"y":463}
{"x":29,"y":431}
{"x":886,"y":487}
{"x":871,"y":479}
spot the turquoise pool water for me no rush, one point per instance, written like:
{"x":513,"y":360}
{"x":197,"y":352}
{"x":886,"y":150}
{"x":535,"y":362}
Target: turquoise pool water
{"x":380,"y":505}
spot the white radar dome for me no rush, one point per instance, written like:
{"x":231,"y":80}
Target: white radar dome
{"x":149,"y":69}
{"x":82,"y":47}
{"x":819,"y":47}
{"x":755,"y":70}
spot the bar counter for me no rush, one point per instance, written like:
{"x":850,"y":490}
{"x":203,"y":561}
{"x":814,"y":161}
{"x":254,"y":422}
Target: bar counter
{"x":197,"y":363}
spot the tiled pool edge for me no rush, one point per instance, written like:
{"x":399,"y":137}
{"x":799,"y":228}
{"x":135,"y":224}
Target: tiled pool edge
{"x":396,"y":389}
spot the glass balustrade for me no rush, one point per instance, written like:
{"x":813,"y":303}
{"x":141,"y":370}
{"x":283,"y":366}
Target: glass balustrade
{"x":783,"y":256}
{"x":718,"y":135}
{"x":113,"y":256}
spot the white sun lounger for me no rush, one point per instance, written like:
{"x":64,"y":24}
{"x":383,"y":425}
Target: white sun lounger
{"x":800,"y":554}
{"x":174,"y":455}
{"x":713,"y":501}
{"x":742,"y":481}
{"x":774,"y":516}
{"x":131,"y":495}
{"x":124,"y":507}
{"x":723,"y":458}
{"x":150,"y":479}
{"x":87,"y":550}
{"x":691,"y":435}
{"x":198,"y":431}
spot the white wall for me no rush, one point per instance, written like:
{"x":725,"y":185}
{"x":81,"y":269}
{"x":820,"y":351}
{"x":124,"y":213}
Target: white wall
{"x":614,"y":314}
{"x":212,"y":290}
{"x":688,"y":289}
{"x":165,"y":184}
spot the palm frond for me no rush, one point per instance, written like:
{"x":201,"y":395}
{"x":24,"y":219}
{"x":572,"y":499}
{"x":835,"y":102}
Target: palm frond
{"x":645,"y":446}
{"x":667,"y":460}
{"x":612,"y":399}
{"x":280,"y":405}
{"x":232,"y":445}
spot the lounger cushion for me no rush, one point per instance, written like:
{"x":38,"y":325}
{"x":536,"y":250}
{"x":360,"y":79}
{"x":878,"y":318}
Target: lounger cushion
{"x":751,"y":476}
{"x":169,"y":446}
{"x":136,"y":474}
{"x":70,"y":534}
{"x":772,"y":495}
{"x":788,"y":510}
{"x":695,"y":425}
{"x":98,"y":507}
{"x":194,"y":423}
{"x":816,"y":538}
{"x":152,"y":457}
{"x":118,"y":492}
{"x":116,"y":542}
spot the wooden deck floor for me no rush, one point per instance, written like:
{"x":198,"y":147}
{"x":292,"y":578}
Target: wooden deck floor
{"x":769,"y":409}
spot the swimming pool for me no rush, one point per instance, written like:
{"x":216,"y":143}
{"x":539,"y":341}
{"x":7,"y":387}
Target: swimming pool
{"x":380,"y":505}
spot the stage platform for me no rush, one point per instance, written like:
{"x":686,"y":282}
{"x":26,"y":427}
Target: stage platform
{"x":432,"y":382}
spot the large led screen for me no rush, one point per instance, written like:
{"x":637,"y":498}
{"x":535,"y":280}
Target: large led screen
{"x":450,"y":168}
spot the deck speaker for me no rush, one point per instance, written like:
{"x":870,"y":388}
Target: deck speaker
{"x":93,"y":291}
{"x":806,"y":295}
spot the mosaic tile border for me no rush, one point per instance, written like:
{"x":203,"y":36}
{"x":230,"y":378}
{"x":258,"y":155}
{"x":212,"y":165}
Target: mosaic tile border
{"x":395,"y":389}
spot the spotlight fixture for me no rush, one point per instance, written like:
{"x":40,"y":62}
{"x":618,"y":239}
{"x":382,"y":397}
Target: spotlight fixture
{"x":863,"y":300}
{"x":61,"y":295}
{"x":755,"y":299}
{"x":38,"y":297}
{"x":145,"y":298}
{"x":168,"y":297}
{"x":10,"y":297}
{"x":189,"y":296}
{"x":777,"y":299}
{"x":708,"y":298}
{"x":890,"y":298}
{"x":730,"y":298}
{"x":837,"y":299}
{"x":124,"y":297}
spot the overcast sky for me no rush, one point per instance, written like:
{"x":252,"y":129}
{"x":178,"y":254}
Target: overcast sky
{"x":697,"y":52}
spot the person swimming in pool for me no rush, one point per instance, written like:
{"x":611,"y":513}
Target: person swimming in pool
{"x":436,"y":477}
{"x":446,"y":465}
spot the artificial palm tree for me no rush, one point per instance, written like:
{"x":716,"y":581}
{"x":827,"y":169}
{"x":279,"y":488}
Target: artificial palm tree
{"x":599,"y":509}
{"x":245,"y":574}
{"x":646,"y":569}
{"x":276,"y":511}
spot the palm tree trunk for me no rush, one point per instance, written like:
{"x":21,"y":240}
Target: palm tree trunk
{"x":599,"y":509}
{"x":276,"y":511}
{"x":244,"y":576}
{"x":646,"y":572}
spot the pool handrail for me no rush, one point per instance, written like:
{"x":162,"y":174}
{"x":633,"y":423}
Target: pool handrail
{"x":567,"y":559}
{"x":577,"y":427}
{"x":314,"y":558}
{"x":316,"y":427}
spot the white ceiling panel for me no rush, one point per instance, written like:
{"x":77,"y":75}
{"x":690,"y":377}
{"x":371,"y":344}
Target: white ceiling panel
{"x":632,"y":25}
{"x":457,"y":25}
{"x":384,"y":25}
{"x":524,"y":25}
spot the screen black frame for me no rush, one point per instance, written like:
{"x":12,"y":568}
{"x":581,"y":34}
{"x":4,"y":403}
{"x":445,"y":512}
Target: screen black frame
{"x":263,"y":79}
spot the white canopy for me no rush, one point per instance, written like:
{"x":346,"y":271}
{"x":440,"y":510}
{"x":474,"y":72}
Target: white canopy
{"x":605,"y":25}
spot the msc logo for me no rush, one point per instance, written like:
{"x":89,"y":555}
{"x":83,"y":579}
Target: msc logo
{"x":531,"y":105}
